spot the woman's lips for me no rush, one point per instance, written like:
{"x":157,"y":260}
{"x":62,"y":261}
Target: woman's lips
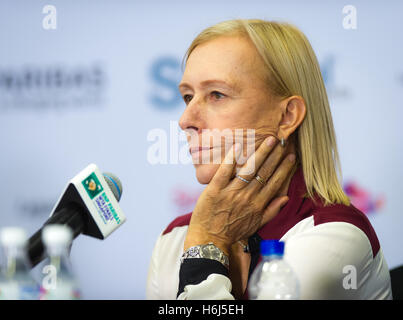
{"x":206,"y":155}
{"x":193,"y":150}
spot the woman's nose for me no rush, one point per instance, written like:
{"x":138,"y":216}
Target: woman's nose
{"x":191,"y":118}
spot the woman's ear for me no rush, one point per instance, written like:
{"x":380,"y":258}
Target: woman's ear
{"x":294,"y":112}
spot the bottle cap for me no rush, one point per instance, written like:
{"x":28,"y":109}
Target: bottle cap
{"x":271,"y":247}
{"x":13,"y":236}
{"x":56,"y":235}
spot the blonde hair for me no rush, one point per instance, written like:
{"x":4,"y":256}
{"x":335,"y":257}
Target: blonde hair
{"x":292,"y":69}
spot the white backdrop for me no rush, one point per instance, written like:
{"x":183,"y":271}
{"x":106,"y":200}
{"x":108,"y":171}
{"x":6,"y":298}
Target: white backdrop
{"x":93,"y":88}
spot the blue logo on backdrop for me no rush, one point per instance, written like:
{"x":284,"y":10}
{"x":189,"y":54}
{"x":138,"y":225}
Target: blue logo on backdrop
{"x":327,"y":68}
{"x":166,"y":74}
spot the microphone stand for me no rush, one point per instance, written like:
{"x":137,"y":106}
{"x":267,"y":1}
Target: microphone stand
{"x":71,"y":216}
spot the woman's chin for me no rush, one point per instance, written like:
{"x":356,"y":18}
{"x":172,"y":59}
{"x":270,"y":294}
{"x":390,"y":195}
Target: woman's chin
{"x":206,"y":172}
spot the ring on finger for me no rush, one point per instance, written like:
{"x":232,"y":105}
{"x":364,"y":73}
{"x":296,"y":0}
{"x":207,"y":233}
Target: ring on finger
{"x":242,"y":179}
{"x":260,"y":180}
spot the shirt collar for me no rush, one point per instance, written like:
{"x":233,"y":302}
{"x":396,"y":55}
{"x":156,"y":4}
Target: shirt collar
{"x":280,"y":223}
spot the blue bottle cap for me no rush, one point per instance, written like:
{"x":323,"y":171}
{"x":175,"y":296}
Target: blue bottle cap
{"x":271,"y":247}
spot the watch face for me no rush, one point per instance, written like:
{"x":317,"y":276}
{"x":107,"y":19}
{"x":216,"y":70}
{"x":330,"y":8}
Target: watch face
{"x":210,"y":251}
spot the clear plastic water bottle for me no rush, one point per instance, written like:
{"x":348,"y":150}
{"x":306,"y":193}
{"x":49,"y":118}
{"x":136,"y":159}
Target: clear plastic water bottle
{"x":16,"y":282}
{"x":273,"y":278}
{"x":59,"y":281}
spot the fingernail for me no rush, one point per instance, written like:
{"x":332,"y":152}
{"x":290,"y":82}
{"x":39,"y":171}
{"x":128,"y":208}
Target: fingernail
{"x":284,"y":202}
{"x":291,"y":157}
{"x":270,"y":141}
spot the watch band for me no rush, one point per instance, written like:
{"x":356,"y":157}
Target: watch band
{"x":206,"y":251}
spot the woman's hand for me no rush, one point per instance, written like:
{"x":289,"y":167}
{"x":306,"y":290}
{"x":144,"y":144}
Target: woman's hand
{"x":230,"y":209}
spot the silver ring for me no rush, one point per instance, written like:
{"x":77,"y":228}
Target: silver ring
{"x":240,"y":178}
{"x":260,"y":180}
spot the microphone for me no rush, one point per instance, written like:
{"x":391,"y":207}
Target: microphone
{"x":89,"y":206}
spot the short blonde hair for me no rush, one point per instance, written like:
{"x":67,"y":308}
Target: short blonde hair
{"x":293,"y":69}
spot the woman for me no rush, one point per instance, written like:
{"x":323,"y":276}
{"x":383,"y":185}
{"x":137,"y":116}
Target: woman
{"x":261,"y":75}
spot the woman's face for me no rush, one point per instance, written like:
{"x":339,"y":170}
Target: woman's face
{"x":223,"y":89}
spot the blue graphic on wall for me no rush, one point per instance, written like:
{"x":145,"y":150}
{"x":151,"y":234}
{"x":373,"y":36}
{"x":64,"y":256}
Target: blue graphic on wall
{"x":166,"y":74}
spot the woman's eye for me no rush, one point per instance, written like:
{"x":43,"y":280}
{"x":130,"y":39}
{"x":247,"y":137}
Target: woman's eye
{"x":187,"y":98}
{"x":217,"y":95}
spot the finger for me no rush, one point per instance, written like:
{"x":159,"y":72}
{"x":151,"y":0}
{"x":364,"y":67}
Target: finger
{"x":273,"y":209}
{"x":267,"y":168}
{"x":276,"y":181}
{"x":249,"y":169}
{"x":224,"y":173}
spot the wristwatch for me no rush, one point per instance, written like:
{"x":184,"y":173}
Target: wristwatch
{"x":206,"y":251}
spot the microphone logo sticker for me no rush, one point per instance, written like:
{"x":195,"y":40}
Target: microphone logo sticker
{"x":92,"y":186}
